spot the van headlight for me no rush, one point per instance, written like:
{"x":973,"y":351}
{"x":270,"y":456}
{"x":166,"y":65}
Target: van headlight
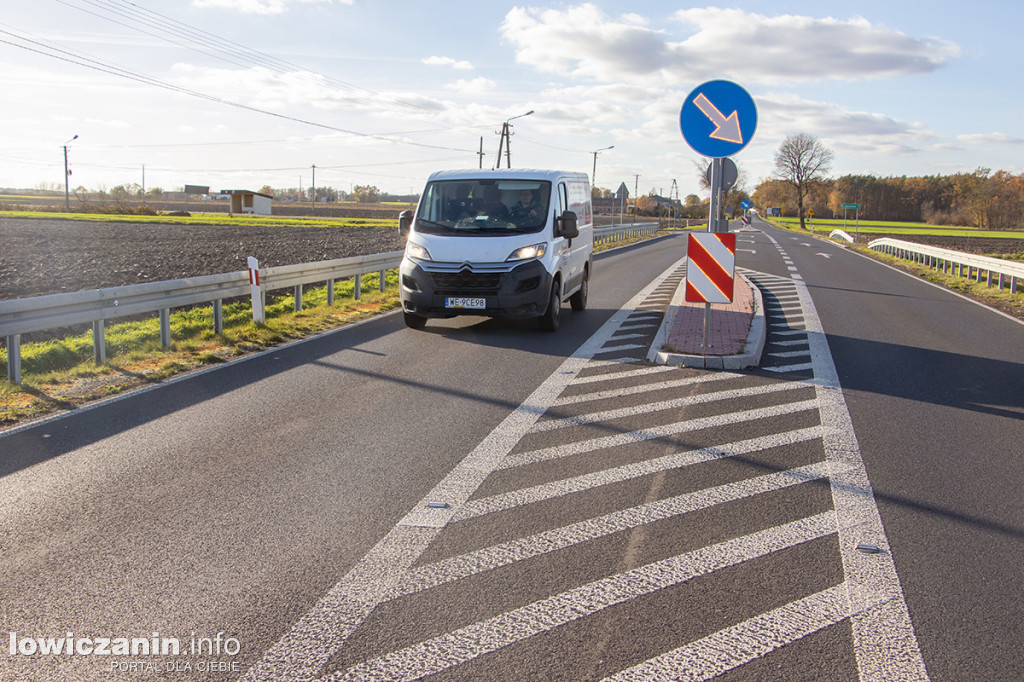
{"x":528,"y":252}
{"x":414,"y":251}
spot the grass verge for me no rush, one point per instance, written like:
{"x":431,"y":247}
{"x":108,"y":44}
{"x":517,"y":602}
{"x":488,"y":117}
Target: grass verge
{"x":60,"y":374}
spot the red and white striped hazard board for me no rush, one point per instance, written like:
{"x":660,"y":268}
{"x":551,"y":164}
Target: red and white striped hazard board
{"x":712,"y":267}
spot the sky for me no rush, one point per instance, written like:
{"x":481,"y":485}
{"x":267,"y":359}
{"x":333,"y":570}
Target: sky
{"x":242,"y":94}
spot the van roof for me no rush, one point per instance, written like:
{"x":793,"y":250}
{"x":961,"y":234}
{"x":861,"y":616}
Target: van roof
{"x":517,"y":173}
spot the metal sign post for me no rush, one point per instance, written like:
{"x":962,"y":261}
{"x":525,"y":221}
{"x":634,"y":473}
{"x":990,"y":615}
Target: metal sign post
{"x":718,"y":119}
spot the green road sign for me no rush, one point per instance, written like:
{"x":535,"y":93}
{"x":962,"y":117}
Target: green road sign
{"x":851,"y":206}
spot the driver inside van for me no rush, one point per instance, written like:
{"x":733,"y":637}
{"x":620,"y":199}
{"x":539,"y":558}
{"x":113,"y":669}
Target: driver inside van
{"x":527,"y":209}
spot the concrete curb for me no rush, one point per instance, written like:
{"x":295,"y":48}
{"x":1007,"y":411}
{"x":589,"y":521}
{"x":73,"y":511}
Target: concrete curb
{"x":753,"y":347}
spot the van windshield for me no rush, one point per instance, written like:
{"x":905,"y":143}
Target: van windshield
{"x":483,"y":207}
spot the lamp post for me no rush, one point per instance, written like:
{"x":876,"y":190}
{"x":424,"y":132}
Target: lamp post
{"x":593,"y":175}
{"x":67,"y":202}
{"x":505,"y":134}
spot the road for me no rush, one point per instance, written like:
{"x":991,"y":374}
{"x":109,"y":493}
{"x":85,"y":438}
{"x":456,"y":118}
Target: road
{"x":483,"y":501}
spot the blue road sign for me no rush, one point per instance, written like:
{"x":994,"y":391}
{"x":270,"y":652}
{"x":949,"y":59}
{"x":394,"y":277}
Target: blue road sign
{"x":745,"y":204}
{"x":718,"y":119}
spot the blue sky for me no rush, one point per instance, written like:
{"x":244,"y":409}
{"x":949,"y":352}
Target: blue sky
{"x":247,"y":93}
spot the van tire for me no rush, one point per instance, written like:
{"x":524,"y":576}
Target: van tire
{"x":578,"y":301}
{"x":413,"y":321}
{"x":549,"y":320}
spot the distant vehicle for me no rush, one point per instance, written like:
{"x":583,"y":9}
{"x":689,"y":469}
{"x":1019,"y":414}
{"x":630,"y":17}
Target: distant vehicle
{"x":501,"y":243}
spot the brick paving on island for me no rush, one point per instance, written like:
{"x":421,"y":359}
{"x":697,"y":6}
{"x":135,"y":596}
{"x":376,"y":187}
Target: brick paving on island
{"x":728,"y":326}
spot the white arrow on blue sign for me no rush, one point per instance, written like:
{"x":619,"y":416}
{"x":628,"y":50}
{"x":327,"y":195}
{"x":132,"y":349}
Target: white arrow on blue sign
{"x":718,"y":119}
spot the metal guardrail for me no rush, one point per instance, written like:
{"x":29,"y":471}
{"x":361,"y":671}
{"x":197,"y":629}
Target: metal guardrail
{"x":613,"y":233}
{"x":1004,"y":272}
{"x":96,"y":306}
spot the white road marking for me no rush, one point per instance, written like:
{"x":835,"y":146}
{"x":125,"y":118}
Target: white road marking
{"x":547,"y":491}
{"x":303,"y":651}
{"x":643,"y":388}
{"x":585,"y":446}
{"x":473,"y":563}
{"x":718,"y":653}
{"x":472,"y":641}
{"x":608,"y":415}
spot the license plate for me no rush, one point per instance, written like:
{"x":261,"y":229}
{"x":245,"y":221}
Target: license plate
{"x":468,"y":303}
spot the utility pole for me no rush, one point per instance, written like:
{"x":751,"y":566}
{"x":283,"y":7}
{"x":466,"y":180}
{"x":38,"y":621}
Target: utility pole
{"x":636,"y":194}
{"x":67,"y":174}
{"x":506,"y":134}
{"x":593,"y":173}
{"x":314,"y":188}
{"x":479,"y":153}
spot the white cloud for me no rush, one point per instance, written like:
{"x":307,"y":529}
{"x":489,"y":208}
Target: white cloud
{"x":448,"y":61}
{"x":475,"y":86}
{"x":989,"y":139}
{"x":260,"y":6}
{"x":585,"y":42}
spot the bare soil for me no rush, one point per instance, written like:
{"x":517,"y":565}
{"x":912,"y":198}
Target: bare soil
{"x":39,"y":257}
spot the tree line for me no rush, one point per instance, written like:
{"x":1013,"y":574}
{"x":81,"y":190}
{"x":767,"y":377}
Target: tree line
{"x":983,"y":199}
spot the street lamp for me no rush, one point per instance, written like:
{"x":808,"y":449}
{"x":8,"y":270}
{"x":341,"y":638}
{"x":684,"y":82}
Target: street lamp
{"x":67,"y":173}
{"x":505,"y":134}
{"x":593,"y":175}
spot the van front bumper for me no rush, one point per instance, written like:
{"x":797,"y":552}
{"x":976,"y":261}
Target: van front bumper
{"x":505,"y":289}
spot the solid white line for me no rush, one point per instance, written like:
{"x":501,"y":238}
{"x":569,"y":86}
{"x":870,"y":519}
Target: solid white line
{"x":752,"y":639}
{"x":489,"y":558}
{"x":626,"y":472}
{"x":884,"y":640}
{"x":581,"y":447}
{"x":607,"y":415}
{"x":472,"y":641}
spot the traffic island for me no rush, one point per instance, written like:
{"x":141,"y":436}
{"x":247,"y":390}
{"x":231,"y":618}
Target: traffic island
{"x":736,"y":331}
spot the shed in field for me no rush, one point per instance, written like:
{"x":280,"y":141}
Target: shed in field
{"x":247,"y":201}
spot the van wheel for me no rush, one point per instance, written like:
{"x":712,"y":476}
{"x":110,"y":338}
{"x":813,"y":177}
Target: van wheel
{"x":549,"y":320}
{"x":578,"y":301}
{"x":413,"y":321}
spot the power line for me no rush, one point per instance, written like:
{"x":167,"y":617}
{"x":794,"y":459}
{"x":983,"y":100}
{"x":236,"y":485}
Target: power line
{"x":105,"y":67}
{"x":170,"y":29}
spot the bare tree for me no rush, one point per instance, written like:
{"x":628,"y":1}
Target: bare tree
{"x":802,"y":161}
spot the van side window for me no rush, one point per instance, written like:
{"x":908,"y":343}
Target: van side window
{"x":563,"y":199}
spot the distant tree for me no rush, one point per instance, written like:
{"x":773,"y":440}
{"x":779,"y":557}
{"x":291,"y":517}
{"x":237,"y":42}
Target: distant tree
{"x":155,"y":193}
{"x":802,"y":161}
{"x":268,"y":190}
{"x":366,"y":194}
{"x":731,"y":197}
{"x":692,"y":201}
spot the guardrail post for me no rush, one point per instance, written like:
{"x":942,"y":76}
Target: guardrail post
{"x":259,"y":315}
{"x":357,"y":287}
{"x":383,"y":280}
{"x":1013,"y":285}
{"x":218,"y":316}
{"x":165,"y":327}
{"x":298,"y":297}
{"x":99,"y":342}
{"x":330,"y":292}
{"x":14,"y":359}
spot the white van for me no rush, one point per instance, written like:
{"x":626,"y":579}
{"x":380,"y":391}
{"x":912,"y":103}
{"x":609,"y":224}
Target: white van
{"x":502,"y":243}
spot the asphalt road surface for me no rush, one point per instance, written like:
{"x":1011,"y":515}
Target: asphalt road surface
{"x":480,"y":500}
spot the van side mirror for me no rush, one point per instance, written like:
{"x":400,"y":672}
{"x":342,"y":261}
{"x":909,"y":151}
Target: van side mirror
{"x":404,"y":222}
{"x":569,"y":229}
